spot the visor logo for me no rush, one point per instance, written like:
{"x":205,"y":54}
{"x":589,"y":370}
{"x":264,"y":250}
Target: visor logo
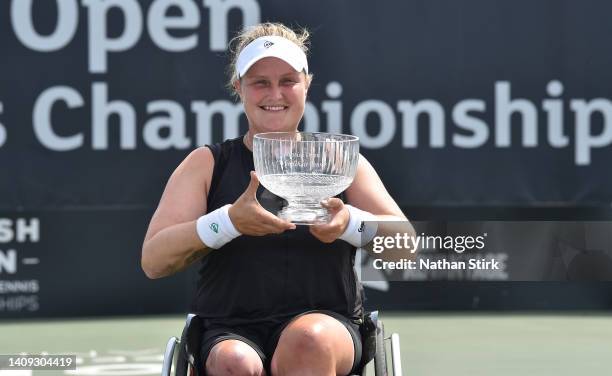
{"x":268,"y":44}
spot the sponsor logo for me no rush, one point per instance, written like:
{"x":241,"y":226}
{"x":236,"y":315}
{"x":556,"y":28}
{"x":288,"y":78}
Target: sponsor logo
{"x":215,"y":227}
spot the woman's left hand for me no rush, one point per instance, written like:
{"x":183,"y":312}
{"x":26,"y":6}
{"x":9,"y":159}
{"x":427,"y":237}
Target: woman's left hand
{"x":328,"y":232}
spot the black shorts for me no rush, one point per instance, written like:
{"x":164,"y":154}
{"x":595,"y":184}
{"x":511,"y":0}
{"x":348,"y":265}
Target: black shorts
{"x":263,"y":338}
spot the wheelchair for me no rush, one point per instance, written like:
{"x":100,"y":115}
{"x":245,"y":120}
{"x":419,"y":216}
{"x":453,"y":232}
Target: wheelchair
{"x":184,"y":352}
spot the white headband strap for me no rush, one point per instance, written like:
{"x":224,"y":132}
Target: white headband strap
{"x":271,"y":46}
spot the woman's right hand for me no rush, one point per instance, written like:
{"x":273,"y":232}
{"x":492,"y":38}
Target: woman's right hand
{"x":250,"y":218}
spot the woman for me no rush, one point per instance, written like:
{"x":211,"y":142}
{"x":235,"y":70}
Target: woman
{"x":277,"y":299}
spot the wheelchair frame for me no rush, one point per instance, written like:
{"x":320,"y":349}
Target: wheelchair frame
{"x":187,"y":362}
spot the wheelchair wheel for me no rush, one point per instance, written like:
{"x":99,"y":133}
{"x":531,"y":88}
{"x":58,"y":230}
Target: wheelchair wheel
{"x":380,"y":359}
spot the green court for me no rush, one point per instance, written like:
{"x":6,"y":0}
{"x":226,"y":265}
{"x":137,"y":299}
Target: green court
{"x":432,"y":344}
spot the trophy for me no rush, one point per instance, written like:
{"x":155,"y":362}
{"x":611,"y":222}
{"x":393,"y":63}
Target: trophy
{"x":305,"y":168}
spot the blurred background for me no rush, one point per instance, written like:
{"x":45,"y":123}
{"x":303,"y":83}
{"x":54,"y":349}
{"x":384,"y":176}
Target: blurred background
{"x":488,"y":111}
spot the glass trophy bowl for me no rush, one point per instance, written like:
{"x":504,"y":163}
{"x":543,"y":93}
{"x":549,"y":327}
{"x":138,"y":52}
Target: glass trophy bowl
{"x":305,"y":168}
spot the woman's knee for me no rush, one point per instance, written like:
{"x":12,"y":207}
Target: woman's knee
{"x":314,"y":340}
{"x":308,"y":339}
{"x":233,"y":357}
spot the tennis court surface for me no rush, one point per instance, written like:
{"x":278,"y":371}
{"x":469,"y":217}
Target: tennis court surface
{"x":432,"y":344}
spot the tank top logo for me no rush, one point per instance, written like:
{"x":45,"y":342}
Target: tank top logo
{"x":215,"y":227}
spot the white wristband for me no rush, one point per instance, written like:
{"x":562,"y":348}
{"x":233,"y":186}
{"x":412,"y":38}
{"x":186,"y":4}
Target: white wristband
{"x":361,"y":228}
{"x":216,"y":229}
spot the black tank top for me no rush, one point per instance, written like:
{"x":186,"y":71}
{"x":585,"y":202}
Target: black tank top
{"x":270,"y":277}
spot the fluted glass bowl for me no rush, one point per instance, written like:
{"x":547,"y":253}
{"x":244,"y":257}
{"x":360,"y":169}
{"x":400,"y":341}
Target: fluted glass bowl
{"x":305,"y":168}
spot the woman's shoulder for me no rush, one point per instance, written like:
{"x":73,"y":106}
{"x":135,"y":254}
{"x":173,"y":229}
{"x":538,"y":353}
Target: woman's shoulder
{"x":196,"y":167}
{"x":200,"y":157}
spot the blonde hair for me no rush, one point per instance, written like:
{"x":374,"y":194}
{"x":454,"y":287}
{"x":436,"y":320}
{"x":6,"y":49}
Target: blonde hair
{"x":249,"y":34}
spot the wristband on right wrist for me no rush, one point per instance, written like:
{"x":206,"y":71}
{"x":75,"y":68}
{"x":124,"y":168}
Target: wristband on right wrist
{"x":215,"y":229}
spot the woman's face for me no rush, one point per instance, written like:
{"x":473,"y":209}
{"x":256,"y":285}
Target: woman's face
{"x":273,"y":95}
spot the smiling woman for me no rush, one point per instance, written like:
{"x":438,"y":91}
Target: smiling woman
{"x":271,"y":78}
{"x":263,"y":311}
{"x":273,"y":95}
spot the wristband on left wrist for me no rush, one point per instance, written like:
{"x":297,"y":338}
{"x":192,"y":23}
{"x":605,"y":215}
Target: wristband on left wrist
{"x":362,"y":227}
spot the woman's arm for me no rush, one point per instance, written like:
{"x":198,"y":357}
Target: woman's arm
{"x":368,"y":193}
{"x":172,"y":243}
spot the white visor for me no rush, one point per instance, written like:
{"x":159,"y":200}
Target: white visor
{"x":271,"y":46}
